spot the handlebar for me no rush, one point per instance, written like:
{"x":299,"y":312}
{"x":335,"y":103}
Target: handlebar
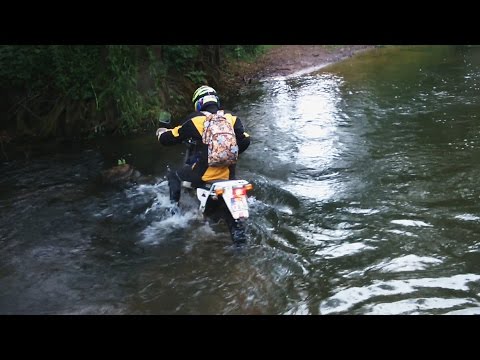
{"x":191,"y":141}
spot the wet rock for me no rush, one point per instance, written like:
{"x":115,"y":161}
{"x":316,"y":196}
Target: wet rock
{"x":120,"y":174}
{"x":124,"y":175}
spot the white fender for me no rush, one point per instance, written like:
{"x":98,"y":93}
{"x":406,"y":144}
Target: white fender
{"x":227,"y":195}
{"x":240,"y":210}
{"x":202,"y":196}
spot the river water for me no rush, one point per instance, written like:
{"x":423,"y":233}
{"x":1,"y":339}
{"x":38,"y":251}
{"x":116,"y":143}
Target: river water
{"x":365,"y":202}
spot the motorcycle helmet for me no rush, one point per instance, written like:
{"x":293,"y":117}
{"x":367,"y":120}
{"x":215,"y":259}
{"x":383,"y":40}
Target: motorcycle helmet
{"x":204,"y":94}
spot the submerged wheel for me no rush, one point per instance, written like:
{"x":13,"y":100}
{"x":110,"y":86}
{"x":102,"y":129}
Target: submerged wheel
{"x":237,"y":231}
{"x":218,"y":210}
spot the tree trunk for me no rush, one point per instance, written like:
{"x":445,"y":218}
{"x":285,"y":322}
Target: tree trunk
{"x":217,"y":55}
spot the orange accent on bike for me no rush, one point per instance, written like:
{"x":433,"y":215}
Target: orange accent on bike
{"x":238,"y":192}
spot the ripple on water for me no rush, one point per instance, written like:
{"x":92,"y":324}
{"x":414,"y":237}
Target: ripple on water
{"x":468,"y":311}
{"x":347,"y":298}
{"x":406,"y":263}
{"x":406,"y":222}
{"x":467,"y":217}
{"x":346,"y":249}
{"x":414,"y":306}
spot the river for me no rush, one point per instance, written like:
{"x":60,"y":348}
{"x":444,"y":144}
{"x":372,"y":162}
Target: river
{"x":365,"y":201}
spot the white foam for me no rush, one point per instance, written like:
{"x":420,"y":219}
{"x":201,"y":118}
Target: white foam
{"x":345,"y":249}
{"x":410,"y":223}
{"x":346,"y":298}
{"x":406,"y":263}
{"x":159,"y":231}
{"x":467,"y":217}
{"x":414,"y":306}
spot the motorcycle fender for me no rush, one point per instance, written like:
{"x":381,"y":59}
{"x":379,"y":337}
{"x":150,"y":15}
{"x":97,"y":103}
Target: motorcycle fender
{"x":202,"y":196}
{"x":228,"y":198}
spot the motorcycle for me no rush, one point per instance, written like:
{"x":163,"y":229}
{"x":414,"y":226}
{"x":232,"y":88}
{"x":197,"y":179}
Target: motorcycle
{"x":222,"y":199}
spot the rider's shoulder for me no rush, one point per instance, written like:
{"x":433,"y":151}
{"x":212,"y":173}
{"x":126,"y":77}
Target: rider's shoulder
{"x":199,"y":113}
{"x":194,"y":114}
{"x":190,"y":117}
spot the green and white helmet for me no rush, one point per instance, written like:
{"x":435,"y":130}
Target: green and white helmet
{"x":203,"y":95}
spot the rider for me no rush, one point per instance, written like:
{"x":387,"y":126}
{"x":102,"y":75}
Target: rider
{"x":196,"y":170}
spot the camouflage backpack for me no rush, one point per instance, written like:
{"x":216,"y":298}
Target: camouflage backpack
{"x":219,"y":136}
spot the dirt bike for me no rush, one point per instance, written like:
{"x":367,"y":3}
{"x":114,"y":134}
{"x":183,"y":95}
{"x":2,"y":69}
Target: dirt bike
{"x":222,"y":199}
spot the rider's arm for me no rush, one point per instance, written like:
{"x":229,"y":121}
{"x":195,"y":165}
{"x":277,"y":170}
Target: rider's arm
{"x":178,"y":134}
{"x":171,"y":136}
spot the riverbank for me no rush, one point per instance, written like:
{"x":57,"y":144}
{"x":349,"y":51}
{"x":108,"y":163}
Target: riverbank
{"x":277,"y":60}
{"x":285,"y":60}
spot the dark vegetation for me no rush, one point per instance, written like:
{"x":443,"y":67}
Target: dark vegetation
{"x":83,"y":91}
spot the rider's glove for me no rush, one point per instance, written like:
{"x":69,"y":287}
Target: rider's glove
{"x":160,"y":131}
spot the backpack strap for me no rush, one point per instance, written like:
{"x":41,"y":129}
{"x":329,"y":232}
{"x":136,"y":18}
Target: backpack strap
{"x":207,"y":114}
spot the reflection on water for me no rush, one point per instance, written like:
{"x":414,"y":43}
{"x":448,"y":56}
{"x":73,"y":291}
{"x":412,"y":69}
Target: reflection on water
{"x":365,"y":202}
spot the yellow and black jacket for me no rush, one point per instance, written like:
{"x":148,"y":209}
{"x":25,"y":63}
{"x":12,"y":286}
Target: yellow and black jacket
{"x":192,"y":128}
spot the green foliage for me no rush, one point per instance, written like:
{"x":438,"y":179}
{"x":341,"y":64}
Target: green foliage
{"x":122,"y":77}
{"x":23,"y":64}
{"x":245,"y":52}
{"x":177,"y":98}
{"x":121,"y":162}
{"x":157,"y":69}
{"x":68,"y":70}
{"x":130,"y":86}
{"x":197,"y":76}
{"x":180,"y":56}
{"x":75,"y":68}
